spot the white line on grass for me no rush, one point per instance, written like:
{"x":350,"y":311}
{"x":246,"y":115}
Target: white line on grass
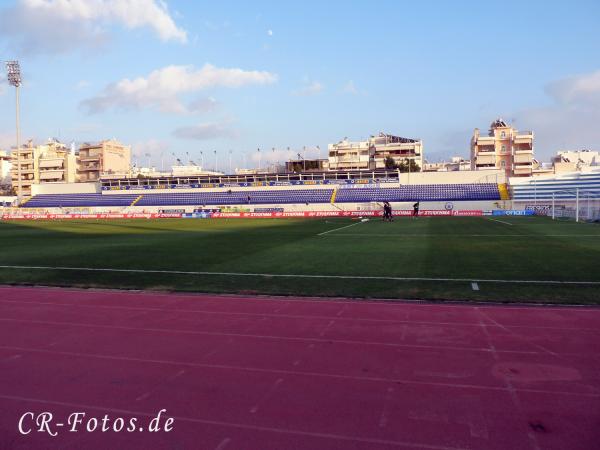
{"x":500,"y":221}
{"x":340,"y":228}
{"x":463,"y":235}
{"x":289,"y":275}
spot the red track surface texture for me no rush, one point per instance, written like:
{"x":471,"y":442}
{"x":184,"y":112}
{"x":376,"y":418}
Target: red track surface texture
{"x":270,"y":373}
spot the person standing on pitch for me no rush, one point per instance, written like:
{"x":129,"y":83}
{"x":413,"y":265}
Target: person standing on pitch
{"x":416,"y":209}
{"x":390,"y":216}
{"x":386,"y":211}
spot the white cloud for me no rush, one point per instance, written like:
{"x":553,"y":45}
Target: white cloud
{"x":203,"y":105}
{"x":269,"y":32}
{"x":155,"y":150}
{"x":311,"y":88}
{"x":206,"y":131}
{"x":161,"y":88}
{"x":350,"y":88}
{"x":3,"y":83}
{"x":82,"y":84}
{"x":571,"y":121}
{"x":60,"y":25}
{"x":577,"y":90}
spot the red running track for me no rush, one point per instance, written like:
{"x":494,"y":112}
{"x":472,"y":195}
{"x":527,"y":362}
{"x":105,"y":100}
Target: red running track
{"x":282,"y":373}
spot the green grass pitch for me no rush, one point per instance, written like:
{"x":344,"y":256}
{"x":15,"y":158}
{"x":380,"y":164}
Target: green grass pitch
{"x":425,"y":258}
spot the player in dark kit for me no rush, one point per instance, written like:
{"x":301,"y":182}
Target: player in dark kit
{"x":387,"y":212}
{"x":416,"y":209}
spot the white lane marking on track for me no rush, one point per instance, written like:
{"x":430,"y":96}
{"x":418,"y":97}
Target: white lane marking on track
{"x":306,"y":373}
{"x":290,"y":275}
{"x":223,"y":444}
{"x":267,"y":396}
{"x":270,"y":337}
{"x":383,"y":420}
{"x":360,"y":319}
{"x":145,"y":395}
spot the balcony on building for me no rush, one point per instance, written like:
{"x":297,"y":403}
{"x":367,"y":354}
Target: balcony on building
{"x":51,"y":163}
{"x":88,"y":168}
{"x":521,"y":157}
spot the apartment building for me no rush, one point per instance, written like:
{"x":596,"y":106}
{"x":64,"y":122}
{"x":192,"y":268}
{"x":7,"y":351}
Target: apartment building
{"x":5,"y":165}
{"x":348,"y":155}
{"x":372,"y":153}
{"x":504,"y":148}
{"x":51,"y":162}
{"x":109,"y":156}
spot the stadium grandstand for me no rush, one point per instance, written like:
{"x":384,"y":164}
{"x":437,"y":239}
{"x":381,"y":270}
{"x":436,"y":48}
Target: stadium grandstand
{"x":573,"y":195}
{"x":326,"y":191}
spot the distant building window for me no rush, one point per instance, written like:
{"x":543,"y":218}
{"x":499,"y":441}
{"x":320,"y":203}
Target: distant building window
{"x":503,"y":148}
{"x":503,"y":134}
{"x":503,"y":164}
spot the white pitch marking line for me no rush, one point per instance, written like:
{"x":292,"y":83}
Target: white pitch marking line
{"x":474,"y":286}
{"x":460,"y":235}
{"x":501,"y":221}
{"x":290,"y":275}
{"x":340,"y":228}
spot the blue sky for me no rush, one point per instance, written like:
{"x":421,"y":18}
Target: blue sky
{"x":308,"y":73}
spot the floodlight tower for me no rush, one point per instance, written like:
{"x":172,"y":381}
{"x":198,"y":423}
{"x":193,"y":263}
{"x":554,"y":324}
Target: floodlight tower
{"x":14,"y":79}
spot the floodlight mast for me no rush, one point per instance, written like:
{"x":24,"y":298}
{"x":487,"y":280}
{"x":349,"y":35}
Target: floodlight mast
{"x":14,"y":79}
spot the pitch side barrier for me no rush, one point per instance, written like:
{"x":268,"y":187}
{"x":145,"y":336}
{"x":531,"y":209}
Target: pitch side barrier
{"x":238,"y":215}
{"x":89,"y":216}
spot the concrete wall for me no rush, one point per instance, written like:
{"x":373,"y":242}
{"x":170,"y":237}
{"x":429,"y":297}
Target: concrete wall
{"x":65,"y":188}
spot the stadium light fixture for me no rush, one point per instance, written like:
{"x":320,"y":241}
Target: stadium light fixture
{"x":14,"y":79}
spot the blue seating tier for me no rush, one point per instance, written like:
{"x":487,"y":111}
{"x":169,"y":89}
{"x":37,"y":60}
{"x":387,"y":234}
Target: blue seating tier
{"x":408,"y":193}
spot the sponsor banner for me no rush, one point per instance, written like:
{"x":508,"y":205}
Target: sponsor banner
{"x":206,"y":210}
{"x":198,"y":215}
{"x":205,"y":214}
{"x":262,"y":210}
{"x":171,"y":211}
{"x":90,"y":216}
{"x":474,"y":212}
{"x":512,"y":212}
{"x":403,"y":212}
